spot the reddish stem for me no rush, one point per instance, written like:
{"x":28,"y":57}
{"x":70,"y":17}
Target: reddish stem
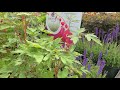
{"x":56,"y":71}
{"x":24,"y":27}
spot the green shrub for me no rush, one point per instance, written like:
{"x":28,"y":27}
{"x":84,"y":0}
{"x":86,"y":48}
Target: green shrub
{"x":103,"y":21}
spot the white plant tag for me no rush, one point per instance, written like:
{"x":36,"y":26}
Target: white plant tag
{"x":73,"y":19}
{"x":52,"y":23}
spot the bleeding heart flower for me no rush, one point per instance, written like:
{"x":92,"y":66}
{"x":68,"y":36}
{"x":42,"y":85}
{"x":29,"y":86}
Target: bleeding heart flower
{"x":62,"y":23}
{"x":66,"y":26}
{"x":64,"y":34}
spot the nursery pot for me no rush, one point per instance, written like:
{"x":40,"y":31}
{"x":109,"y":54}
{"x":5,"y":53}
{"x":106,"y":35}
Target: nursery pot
{"x":118,"y":74}
{"x":73,"y":19}
{"x":112,"y":71}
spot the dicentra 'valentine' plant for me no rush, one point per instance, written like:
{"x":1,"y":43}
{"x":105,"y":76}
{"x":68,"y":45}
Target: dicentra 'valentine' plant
{"x":31,"y":51}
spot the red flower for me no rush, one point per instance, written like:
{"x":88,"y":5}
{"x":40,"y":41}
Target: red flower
{"x":62,"y":23}
{"x":69,"y":42}
{"x":66,"y":26}
{"x":59,"y":34}
{"x":64,"y":36}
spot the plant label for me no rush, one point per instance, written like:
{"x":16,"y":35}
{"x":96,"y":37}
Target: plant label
{"x":73,"y":19}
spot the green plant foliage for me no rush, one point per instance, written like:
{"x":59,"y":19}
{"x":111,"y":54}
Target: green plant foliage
{"x":110,"y":51}
{"x":103,"y":21}
{"x":28,"y":52}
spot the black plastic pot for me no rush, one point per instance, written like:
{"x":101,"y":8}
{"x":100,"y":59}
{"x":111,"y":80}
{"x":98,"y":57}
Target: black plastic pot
{"x":112,"y":71}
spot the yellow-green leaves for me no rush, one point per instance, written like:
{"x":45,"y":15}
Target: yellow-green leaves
{"x":5,"y":26}
{"x":63,"y":74}
{"x":93,"y":37}
{"x":23,"y":13}
{"x":38,"y":57}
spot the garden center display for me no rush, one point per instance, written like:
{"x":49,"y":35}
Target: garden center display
{"x":59,"y":45}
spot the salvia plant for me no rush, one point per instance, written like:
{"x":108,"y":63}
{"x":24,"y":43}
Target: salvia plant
{"x":97,"y":70}
{"x":30,"y":51}
{"x":109,"y":51}
{"x":110,"y":36}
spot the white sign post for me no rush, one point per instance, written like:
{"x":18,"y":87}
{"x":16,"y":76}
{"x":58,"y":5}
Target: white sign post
{"x":73,"y":19}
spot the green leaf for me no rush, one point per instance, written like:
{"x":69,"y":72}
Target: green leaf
{"x":57,"y":56}
{"x":6,"y":15}
{"x":18,"y":51}
{"x":23,"y":13}
{"x":36,"y":45}
{"x":93,"y":37}
{"x":76,"y":71}
{"x":18,"y":61}
{"x":63,"y":74}
{"x":42,"y":28}
{"x":5,"y":75}
{"x":75,"y":39}
{"x":76,"y":54}
{"x":12,"y":40}
{"x":57,"y":41}
{"x":72,"y":48}
{"x":64,"y":59}
{"x":32,"y":29}
{"x":5,"y":70}
{"x":67,"y":58}
{"x":5,"y":26}
{"x":81,"y":30}
{"x":84,"y":70}
{"x":77,"y":32}
{"x":38,"y":58}
{"x":22,"y":75}
{"x":47,"y":57}
{"x":47,"y":74}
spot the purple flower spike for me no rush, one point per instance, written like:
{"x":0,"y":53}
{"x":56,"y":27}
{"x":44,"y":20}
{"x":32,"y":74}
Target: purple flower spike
{"x":96,"y":31}
{"x":113,"y":35}
{"x":117,"y":27}
{"x":99,"y":58}
{"x":85,"y":53}
{"x":108,"y":38}
{"x":84,"y":57}
{"x":104,"y":40}
{"x":102,"y":34}
{"x":84,"y":61}
{"x":89,"y":66}
{"x":102,"y":65}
